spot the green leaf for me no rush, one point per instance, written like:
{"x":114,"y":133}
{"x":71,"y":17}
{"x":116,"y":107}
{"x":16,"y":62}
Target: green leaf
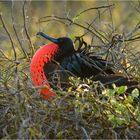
{"x":129,"y":99}
{"x":135,"y":93}
{"x":121,"y":90}
{"x":113,"y":101}
{"x":114,"y":86}
{"x":121,"y":121}
{"x":120,"y":108}
{"x":109,"y":92}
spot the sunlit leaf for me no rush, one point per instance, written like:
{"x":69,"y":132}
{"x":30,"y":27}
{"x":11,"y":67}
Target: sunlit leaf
{"x":135,"y":93}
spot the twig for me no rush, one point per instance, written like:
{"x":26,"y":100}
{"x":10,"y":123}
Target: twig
{"x":74,"y":23}
{"x":98,"y":32}
{"x":87,"y":137}
{"x":137,"y":27}
{"x":25,"y":28}
{"x":1,"y":51}
{"x":51,"y":20}
{"x":133,"y":39}
{"x":90,"y":24}
{"x":16,"y":30}
{"x":95,"y":8}
{"x":6,"y":30}
{"x":111,"y":16}
{"x":133,"y":116}
{"x":136,"y":8}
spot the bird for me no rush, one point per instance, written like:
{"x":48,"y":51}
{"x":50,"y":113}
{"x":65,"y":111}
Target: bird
{"x":54,"y":62}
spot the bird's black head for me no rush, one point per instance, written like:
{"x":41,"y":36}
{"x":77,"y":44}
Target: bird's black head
{"x":66,"y":45}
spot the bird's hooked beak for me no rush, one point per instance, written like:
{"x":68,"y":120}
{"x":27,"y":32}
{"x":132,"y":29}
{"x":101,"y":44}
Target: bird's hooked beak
{"x":52,"y":39}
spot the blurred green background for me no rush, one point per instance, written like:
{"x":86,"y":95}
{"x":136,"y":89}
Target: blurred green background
{"x":124,"y":14}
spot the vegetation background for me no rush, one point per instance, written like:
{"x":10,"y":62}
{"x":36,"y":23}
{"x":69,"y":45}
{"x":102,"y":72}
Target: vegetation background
{"x":73,"y":114}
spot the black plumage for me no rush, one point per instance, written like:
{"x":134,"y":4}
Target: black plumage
{"x":69,"y":61}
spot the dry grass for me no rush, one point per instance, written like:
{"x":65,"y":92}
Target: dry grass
{"x":79,"y":113}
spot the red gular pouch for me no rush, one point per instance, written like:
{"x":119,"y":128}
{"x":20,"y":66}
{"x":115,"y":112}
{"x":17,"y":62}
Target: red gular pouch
{"x":43,"y":55}
{"x":46,"y":94}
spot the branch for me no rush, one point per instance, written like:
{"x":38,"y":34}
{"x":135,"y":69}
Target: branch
{"x":110,"y":12}
{"x":1,"y":51}
{"x":133,"y":39}
{"x":137,"y":27}
{"x":95,"y":8}
{"x":25,"y":28}
{"x":14,"y":28}
{"x":133,"y":115}
{"x":6,"y":30}
{"x":70,"y":23}
{"x":98,"y":32}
